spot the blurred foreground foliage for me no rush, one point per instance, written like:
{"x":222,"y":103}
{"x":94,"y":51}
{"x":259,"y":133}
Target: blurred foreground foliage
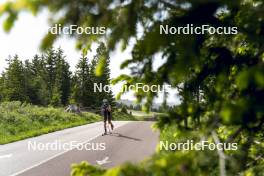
{"x":220,"y":78}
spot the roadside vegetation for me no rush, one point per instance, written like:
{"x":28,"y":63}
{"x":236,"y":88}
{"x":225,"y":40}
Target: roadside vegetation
{"x":141,"y":115}
{"x":118,"y":115}
{"x":128,"y":114}
{"x":21,"y":120}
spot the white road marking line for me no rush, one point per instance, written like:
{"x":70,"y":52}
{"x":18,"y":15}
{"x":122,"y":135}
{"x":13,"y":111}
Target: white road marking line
{"x":104,"y":161}
{"x":61,"y":153}
{"x":6,"y":156}
{"x":50,"y":158}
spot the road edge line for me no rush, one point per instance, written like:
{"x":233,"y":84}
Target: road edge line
{"x":58,"y":154}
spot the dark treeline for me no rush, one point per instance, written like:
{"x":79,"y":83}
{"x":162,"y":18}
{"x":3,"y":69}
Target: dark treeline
{"x":47,"y":80}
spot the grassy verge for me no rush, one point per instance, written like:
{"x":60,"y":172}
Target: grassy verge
{"x":19,"y":121}
{"x":117,"y":115}
{"x":144,"y":116}
{"x":134,"y":115}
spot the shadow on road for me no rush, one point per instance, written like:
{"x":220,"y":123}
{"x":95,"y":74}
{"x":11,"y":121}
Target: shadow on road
{"x":122,"y":136}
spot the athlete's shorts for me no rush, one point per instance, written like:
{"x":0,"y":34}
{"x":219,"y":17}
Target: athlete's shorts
{"x":107,"y":116}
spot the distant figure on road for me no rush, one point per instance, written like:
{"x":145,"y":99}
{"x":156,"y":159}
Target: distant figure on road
{"x":106,"y":112}
{"x":73,"y":108}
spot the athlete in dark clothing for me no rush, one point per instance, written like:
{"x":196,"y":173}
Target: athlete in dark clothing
{"x":106,"y":112}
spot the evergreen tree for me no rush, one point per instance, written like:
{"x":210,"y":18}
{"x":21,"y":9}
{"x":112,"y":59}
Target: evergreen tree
{"x":31,"y":90}
{"x":102,"y":59}
{"x":45,"y":80}
{"x":50,"y":71}
{"x":1,"y":87}
{"x":38,"y":70}
{"x":83,"y":86}
{"x":57,"y":77}
{"x":94,"y":80}
{"x":63,"y":78}
{"x":14,"y":83}
{"x":56,"y":96}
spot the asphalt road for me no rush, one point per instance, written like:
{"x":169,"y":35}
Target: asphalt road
{"x":130,"y":141}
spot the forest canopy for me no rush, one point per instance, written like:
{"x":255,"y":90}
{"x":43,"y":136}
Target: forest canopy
{"x":46,"y":79}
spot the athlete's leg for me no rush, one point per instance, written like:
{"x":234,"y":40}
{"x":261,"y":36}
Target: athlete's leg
{"x":110,"y":120}
{"x":105,"y":120}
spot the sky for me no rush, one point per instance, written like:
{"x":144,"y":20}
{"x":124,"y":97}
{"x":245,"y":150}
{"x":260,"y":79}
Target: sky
{"x":24,"y":40}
